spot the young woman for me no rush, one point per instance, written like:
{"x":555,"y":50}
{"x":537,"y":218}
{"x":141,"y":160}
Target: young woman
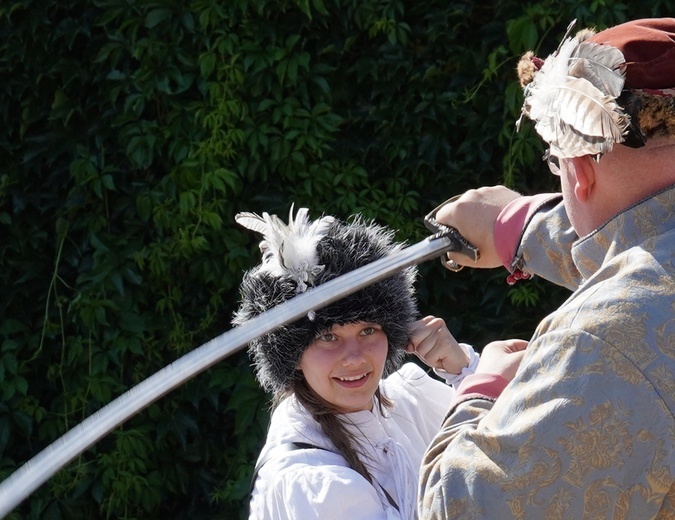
{"x":349,"y":426}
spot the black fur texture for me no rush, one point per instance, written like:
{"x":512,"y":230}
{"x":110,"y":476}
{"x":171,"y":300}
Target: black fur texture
{"x":390,"y":303}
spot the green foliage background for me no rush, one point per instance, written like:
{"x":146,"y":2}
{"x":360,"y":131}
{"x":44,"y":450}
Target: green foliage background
{"x":134,"y":130}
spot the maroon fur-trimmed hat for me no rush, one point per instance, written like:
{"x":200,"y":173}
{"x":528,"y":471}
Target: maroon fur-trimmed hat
{"x":636,"y":92}
{"x":648,"y":46}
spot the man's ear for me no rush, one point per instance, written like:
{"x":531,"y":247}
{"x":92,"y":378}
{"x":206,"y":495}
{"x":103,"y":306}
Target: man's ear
{"x":584,"y":177}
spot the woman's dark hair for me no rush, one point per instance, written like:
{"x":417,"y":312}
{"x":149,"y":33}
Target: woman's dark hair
{"x":326,"y":414}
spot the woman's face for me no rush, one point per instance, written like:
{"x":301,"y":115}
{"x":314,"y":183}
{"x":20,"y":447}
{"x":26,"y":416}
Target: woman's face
{"x":344,"y":365}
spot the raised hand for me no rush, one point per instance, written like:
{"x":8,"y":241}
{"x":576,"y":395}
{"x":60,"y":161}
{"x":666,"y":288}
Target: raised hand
{"x":433,"y":343}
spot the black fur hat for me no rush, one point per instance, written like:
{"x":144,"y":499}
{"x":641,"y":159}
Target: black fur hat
{"x":305,"y":254}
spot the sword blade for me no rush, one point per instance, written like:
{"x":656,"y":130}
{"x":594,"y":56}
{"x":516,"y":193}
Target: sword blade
{"x":27,"y":478}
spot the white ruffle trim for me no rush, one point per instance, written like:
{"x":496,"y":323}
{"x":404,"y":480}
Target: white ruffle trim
{"x":456,"y":379}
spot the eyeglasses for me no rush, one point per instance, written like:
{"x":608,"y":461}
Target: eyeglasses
{"x":553,"y":163}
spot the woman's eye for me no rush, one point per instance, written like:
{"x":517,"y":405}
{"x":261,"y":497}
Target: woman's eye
{"x":367,"y":331}
{"x":328,"y":336}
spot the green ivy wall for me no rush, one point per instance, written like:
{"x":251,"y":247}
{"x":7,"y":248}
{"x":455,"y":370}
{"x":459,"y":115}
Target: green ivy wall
{"x":134,"y":130}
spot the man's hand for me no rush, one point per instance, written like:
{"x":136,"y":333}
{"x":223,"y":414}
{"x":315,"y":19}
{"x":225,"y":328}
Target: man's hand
{"x":474,"y":215}
{"x":502,"y":357}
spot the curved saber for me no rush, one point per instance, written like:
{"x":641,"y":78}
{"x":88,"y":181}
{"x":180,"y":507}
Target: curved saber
{"x":46,"y":463}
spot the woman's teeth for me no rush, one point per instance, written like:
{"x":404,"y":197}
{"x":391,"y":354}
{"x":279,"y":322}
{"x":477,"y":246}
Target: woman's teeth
{"x":352,"y":378}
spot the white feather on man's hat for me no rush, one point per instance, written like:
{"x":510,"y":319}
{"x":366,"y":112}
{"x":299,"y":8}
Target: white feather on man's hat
{"x":597,"y":90}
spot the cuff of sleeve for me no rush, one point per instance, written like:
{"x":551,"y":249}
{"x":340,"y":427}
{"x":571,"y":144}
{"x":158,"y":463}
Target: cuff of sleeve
{"x":479,"y":386}
{"x":511,"y":223}
{"x":456,"y":379}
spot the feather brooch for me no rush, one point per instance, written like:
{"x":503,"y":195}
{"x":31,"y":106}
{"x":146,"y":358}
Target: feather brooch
{"x":572,"y":98}
{"x":289,"y":249}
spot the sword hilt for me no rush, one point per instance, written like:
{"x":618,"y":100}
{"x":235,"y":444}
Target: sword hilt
{"x":458,"y":243}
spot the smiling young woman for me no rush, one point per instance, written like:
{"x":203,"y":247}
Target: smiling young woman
{"x":350,"y":420}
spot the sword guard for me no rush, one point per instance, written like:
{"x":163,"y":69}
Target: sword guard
{"x":458,"y":243}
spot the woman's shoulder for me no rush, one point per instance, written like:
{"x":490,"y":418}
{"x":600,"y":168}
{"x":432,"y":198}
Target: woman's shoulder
{"x":290,"y":458}
{"x":413,"y":370}
{"x":291,"y":422}
{"x":312,"y":483}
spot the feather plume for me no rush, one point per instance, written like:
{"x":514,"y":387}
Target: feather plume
{"x":288,"y":249}
{"x":572,"y":99}
{"x":602,"y":65}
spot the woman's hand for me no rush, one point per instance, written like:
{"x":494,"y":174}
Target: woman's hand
{"x":432,"y":342}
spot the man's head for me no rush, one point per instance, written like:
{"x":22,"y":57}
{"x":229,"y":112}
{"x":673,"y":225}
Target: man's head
{"x":596,"y":90}
{"x":605,"y":105}
{"x":305,"y":254}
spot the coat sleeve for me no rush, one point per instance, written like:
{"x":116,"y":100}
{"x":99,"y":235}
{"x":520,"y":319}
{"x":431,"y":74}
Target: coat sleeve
{"x":545,"y":248}
{"x":569,"y":437}
{"x":323,"y":492}
{"x":534,"y":235}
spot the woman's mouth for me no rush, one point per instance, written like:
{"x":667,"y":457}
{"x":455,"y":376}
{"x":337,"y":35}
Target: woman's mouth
{"x":352,"y":381}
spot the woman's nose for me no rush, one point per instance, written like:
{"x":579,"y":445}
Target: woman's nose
{"x":352,"y":353}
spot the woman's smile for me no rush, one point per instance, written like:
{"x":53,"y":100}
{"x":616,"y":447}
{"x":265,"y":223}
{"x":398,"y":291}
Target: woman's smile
{"x":344,"y":364}
{"x":353,"y":381}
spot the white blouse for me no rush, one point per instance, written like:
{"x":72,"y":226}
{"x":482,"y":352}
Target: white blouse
{"x":317,"y":483}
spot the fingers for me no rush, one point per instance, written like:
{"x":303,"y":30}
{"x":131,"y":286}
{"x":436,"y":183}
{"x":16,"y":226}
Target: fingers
{"x":474,"y":215}
{"x":433,"y":343}
{"x":502,"y":357}
{"x":426,"y":334}
{"x":510,"y":345}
